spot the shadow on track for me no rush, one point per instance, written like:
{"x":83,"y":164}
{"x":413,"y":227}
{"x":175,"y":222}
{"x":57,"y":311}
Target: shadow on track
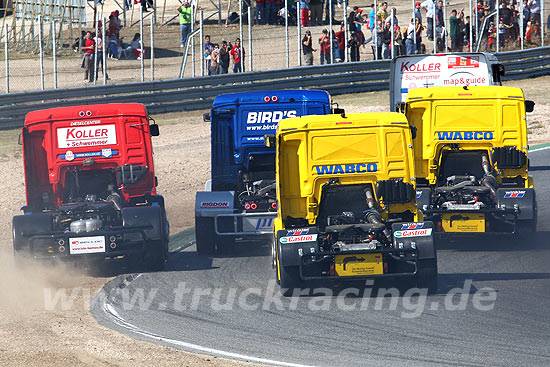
{"x":510,"y":242}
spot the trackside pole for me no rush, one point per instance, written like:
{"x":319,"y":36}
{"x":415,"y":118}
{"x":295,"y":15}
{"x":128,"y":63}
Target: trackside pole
{"x":6,"y":58}
{"x":104,"y":53}
{"x":471,"y":28}
{"x":250,"y":38}
{"x":375,"y":31}
{"x":286,"y":35}
{"x":392,"y":45}
{"x":330,"y":32}
{"x":346,"y":38}
{"x":95,"y":60}
{"x":41,"y":46}
{"x":141,"y":43}
{"x":299,"y":24}
{"x":434,"y":27}
{"x":497,"y":26}
{"x":201,"y":33}
{"x":153,"y":49}
{"x":241,"y":32}
{"x":54,"y":56}
{"x":414,"y":28}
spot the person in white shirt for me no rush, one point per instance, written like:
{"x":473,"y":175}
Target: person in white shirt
{"x":429,"y":6}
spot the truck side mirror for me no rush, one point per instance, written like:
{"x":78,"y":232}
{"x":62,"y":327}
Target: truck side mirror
{"x":413,"y":131}
{"x":206,"y":117}
{"x":154,"y":130}
{"x":529,"y":106}
{"x":498,"y":71}
{"x":269,"y":140}
{"x":338,"y":111}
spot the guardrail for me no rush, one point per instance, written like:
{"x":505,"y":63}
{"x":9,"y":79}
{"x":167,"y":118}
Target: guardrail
{"x":198,"y":93}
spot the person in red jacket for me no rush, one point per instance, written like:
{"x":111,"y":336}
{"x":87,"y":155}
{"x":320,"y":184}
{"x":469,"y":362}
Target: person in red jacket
{"x":237,"y":52}
{"x":88,"y":62}
{"x":324,"y":46}
{"x":341,"y":38}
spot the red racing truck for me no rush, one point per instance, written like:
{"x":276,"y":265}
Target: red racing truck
{"x":91,"y":187}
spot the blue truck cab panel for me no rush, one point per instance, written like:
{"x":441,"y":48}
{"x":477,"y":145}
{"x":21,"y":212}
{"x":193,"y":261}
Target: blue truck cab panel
{"x":239,"y":122}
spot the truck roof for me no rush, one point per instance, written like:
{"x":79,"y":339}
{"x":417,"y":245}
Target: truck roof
{"x":85,"y":112}
{"x":281,"y":95}
{"x":472,"y":92}
{"x":339,"y":121}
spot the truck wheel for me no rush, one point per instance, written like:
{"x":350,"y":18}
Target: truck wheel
{"x":426,"y":275}
{"x":205,"y":236}
{"x":527,"y":229}
{"x":290,"y":280}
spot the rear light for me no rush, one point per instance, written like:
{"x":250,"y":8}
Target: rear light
{"x":247,"y":206}
{"x":274,"y":98}
{"x":332,"y":272}
{"x":253,"y":206}
{"x":487,"y":226}
{"x":439,"y":226}
{"x":267,"y":99}
{"x":61,"y":248}
{"x":476,"y":198}
{"x":385,"y":267}
{"x":112,"y":239}
{"x":113,"y":245}
{"x":274,"y":205}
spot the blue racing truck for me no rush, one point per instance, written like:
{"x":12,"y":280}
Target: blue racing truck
{"x":240,"y":201}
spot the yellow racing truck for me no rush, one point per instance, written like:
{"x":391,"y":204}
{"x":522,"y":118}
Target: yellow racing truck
{"x":347,"y":204}
{"x":471,"y":158}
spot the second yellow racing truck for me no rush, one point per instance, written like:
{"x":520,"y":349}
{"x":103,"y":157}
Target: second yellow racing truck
{"x":471,"y":158}
{"x":347,"y":204}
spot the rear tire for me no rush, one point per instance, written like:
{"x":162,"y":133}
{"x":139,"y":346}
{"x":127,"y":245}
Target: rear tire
{"x":290,"y":280}
{"x":205,"y":237}
{"x":527,"y":229}
{"x":426,"y":275}
{"x":225,"y":245}
{"x":155,"y":255}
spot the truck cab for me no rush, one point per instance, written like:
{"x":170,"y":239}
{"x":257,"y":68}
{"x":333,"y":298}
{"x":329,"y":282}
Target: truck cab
{"x":441,"y":70}
{"x":240,"y":199}
{"x":347,"y":205}
{"x":91,"y":186}
{"x":471,"y":158}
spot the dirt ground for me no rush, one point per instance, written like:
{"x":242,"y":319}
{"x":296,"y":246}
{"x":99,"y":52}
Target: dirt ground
{"x":32,"y":334}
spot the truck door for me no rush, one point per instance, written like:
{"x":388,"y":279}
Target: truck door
{"x":36,"y":168}
{"x":222,"y":149}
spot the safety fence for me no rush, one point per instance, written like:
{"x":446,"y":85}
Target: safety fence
{"x":198,"y":93}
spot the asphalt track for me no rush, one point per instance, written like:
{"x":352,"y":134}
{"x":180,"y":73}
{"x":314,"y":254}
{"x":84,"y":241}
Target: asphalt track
{"x":515,"y":332}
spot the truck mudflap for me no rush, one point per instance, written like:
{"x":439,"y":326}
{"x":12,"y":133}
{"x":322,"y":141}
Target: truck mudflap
{"x":116,"y":242}
{"x":412,"y":242}
{"x":244,"y":224}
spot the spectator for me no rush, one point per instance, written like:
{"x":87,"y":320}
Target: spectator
{"x":417,"y":13}
{"x":379,"y":39}
{"x":410,"y":39}
{"x":324,"y":47}
{"x":386,"y":40}
{"x":316,"y":8}
{"x":429,"y":6}
{"x":526,"y":15}
{"x":184,"y":11}
{"x":79,"y":42}
{"x":99,"y":56}
{"x":214,"y":61}
{"x":383,"y":11}
{"x":332,"y":4}
{"x":372,"y":19}
{"x":135,"y":47}
{"x":530,"y":30}
{"x":144,"y":4}
{"x":418,"y":30}
{"x":237,"y":52}
{"x":397,"y":41}
{"x":467,"y":33}
{"x":304,"y":12}
{"x":224,"y":58}
{"x":113,"y":46}
{"x":395,"y":21}
{"x":269,"y":11}
{"x":113,"y":25}
{"x":534,"y":6}
{"x":208,"y":47}
{"x":501,"y":32}
{"x":455,"y":30}
{"x":341,"y":38}
{"x":307,"y":48}
{"x":259,"y":12}
{"x":354,"y":47}
{"x":491,"y":35}
{"x":88,"y":61}
{"x":439,"y":15}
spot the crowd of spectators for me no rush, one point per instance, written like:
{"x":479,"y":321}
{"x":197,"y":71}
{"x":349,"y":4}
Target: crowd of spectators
{"x":218,"y":58}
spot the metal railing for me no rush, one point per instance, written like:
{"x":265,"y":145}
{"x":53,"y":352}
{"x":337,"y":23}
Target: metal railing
{"x":198,"y":93}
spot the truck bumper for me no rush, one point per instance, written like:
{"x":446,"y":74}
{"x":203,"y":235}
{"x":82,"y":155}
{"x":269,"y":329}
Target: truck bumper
{"x":387,"y":263}
{"x":244,"y":224}
{"x":489,"y":221}
{"x":68,"y":246}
